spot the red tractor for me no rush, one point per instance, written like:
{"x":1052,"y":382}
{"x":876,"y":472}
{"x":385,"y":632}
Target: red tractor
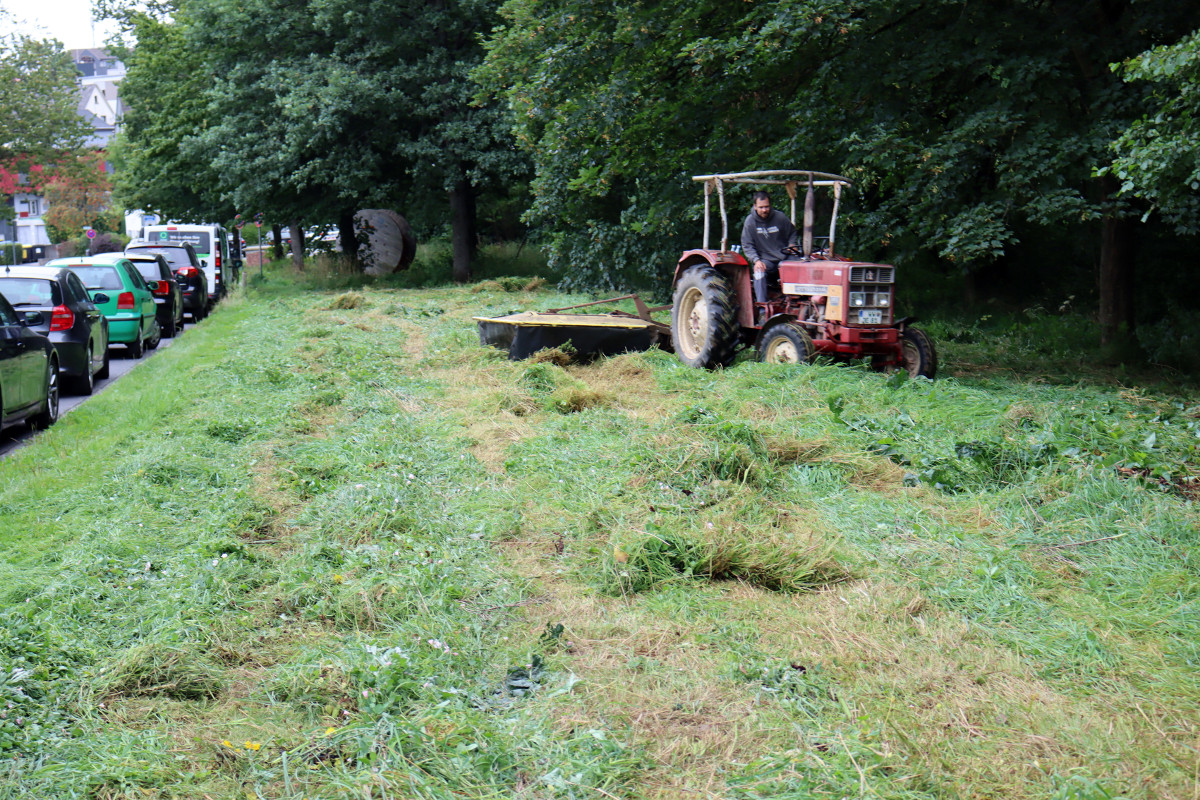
{"x":823,"y":304}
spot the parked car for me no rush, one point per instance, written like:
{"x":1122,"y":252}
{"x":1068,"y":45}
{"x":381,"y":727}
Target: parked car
{"x":211,"y":243}
{"x":168,"y":298}
{"x":121,"y":294}
{"x":28,"y":373}
{"x":185,"y":264}
{"x":54,"y":303}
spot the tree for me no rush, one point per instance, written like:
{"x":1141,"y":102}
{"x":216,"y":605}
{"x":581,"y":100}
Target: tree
{"x":159,"y":167}
{"x":39,"y":129}
{"x":38,"y":95}
{"x":79,"y":198}
{"x":314,"y":110}
{"x":1156,"y":156}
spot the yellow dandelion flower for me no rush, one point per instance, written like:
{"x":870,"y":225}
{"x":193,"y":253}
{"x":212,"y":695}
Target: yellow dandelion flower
{"x":227,"y":743}
{"x":330,"y":731}
{"x":338,"y":578}
{"x":253,"y":746}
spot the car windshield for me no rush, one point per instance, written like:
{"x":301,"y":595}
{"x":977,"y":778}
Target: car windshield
{"x":98,"y":277}
{"x":177,"y":257}
{"x":200,"y":240}
{"x":149,"y":269}
{"x":30,"y":292}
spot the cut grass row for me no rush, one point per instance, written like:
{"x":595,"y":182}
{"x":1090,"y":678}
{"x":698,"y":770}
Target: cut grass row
{"x":329,"y":546}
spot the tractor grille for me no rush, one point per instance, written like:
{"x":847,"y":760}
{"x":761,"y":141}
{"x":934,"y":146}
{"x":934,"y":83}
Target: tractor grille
{"x":869,"y":304}
{"x":872,"y":275}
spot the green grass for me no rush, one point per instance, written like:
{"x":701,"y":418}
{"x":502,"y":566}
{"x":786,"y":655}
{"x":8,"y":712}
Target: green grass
{"x":327,"y":545}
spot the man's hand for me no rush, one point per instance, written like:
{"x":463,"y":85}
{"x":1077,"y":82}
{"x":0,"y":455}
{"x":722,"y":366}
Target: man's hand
{"x":760,"y":268}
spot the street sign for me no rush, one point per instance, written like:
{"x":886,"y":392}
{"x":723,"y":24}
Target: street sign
{"x":91,"y":233}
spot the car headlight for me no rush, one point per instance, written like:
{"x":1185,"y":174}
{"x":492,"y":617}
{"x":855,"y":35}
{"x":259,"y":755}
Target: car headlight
{"x":882,"y":299}
{"x":858,"y":298}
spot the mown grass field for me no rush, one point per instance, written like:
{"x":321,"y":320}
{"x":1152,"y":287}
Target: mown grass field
{"x":327,"y":545}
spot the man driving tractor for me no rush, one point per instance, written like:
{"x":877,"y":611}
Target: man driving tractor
{"x":765,"y":234}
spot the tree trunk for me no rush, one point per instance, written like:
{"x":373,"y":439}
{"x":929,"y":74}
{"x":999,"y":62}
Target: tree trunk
{"x":462,"y":221}
{"x":1116,"y":281}
{"x":277,"y":250}
{"x":347,"y":236}
{"x":297,"y":234}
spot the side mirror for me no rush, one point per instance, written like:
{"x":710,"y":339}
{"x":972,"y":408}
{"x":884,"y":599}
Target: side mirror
{"x":33,"y":318}
{"x":100,"y":298}
{"x":204,"y":264}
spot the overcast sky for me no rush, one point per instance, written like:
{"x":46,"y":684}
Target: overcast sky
{"x":69,"y":21}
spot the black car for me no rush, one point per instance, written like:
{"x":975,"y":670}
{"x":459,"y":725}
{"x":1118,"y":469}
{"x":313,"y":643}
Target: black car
{"x":54,"y":303}
{"x":168,"y":297}
{"x":185,"y":264}
{"x":28,"y":373}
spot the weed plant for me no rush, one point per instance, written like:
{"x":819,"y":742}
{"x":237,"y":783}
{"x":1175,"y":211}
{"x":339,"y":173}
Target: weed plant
{"x":369,"y":557}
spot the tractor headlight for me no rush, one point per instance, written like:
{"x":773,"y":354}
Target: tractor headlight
{"x":858,"y":299}
{"x":882,"y":299}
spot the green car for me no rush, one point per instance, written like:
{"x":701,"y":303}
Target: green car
{"x":121,"y":294}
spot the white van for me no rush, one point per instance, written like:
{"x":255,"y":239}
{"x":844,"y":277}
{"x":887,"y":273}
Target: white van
{"x":211,"y":243}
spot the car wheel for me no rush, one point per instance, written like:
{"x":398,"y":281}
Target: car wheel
{"x":102,"y":373}
{"x":137,"y":349}
{"x":170,"y":330}
{"x":155,"y":337}
{"x":48,"y":415}
{"x":86,"y":383}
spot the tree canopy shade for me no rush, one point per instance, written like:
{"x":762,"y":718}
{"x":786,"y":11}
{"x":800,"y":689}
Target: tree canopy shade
{"x":313,"y":110}
{"x":1157,"y":156}
{"x":968,"y":127}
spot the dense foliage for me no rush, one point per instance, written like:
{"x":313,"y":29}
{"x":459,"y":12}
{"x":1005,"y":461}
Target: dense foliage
{"x":311,"y":111}
{"x":1157,"y":156}
{"x":38,"y":95}
{"x":974,"y":131}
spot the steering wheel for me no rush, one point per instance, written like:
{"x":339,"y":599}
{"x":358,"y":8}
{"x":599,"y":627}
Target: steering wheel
{"x":792,"y":250}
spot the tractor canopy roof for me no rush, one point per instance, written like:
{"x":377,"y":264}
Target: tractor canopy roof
{"x":789,"y":178}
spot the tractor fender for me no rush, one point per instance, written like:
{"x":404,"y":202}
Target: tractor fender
{"x":726,"y":261}
{"x":736,"y":270}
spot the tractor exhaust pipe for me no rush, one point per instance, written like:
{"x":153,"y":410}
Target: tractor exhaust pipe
{"x":809,"y":212}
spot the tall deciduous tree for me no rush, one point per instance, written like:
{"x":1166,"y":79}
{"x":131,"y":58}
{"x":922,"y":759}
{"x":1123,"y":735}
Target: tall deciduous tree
{"x":38,"y":96}
{"x":160,"y":165}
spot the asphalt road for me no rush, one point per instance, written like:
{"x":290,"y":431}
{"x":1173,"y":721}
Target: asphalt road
{"x":118,"y":365}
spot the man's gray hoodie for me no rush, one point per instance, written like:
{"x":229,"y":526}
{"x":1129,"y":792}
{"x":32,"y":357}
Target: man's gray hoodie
{"x":764,"y":239}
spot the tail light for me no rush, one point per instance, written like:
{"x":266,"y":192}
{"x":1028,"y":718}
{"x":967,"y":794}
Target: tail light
{"x":61,"y":318}
{"x":160,"y":288}
{"x":188,"y":272}
{"x":217,"y":259}
{"x":125,"y":301}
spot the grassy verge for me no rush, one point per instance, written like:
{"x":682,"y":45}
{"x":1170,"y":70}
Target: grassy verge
{"x":328,"y":546}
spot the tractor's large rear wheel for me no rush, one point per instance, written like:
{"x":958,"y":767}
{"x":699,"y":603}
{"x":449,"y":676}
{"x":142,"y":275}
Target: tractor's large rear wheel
{"x":704,"y":328}
{"x":786,"y":343}
{"x":917,"y":351}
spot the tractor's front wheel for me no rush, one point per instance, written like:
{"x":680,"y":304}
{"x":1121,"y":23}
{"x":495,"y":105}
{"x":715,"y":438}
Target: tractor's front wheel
{"x":917,"y":351}
{"x":704,"y":328}
{"x":786,"y":343}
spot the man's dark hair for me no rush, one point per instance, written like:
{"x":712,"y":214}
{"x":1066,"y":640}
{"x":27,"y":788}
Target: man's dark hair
{"x":760,"y":196}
